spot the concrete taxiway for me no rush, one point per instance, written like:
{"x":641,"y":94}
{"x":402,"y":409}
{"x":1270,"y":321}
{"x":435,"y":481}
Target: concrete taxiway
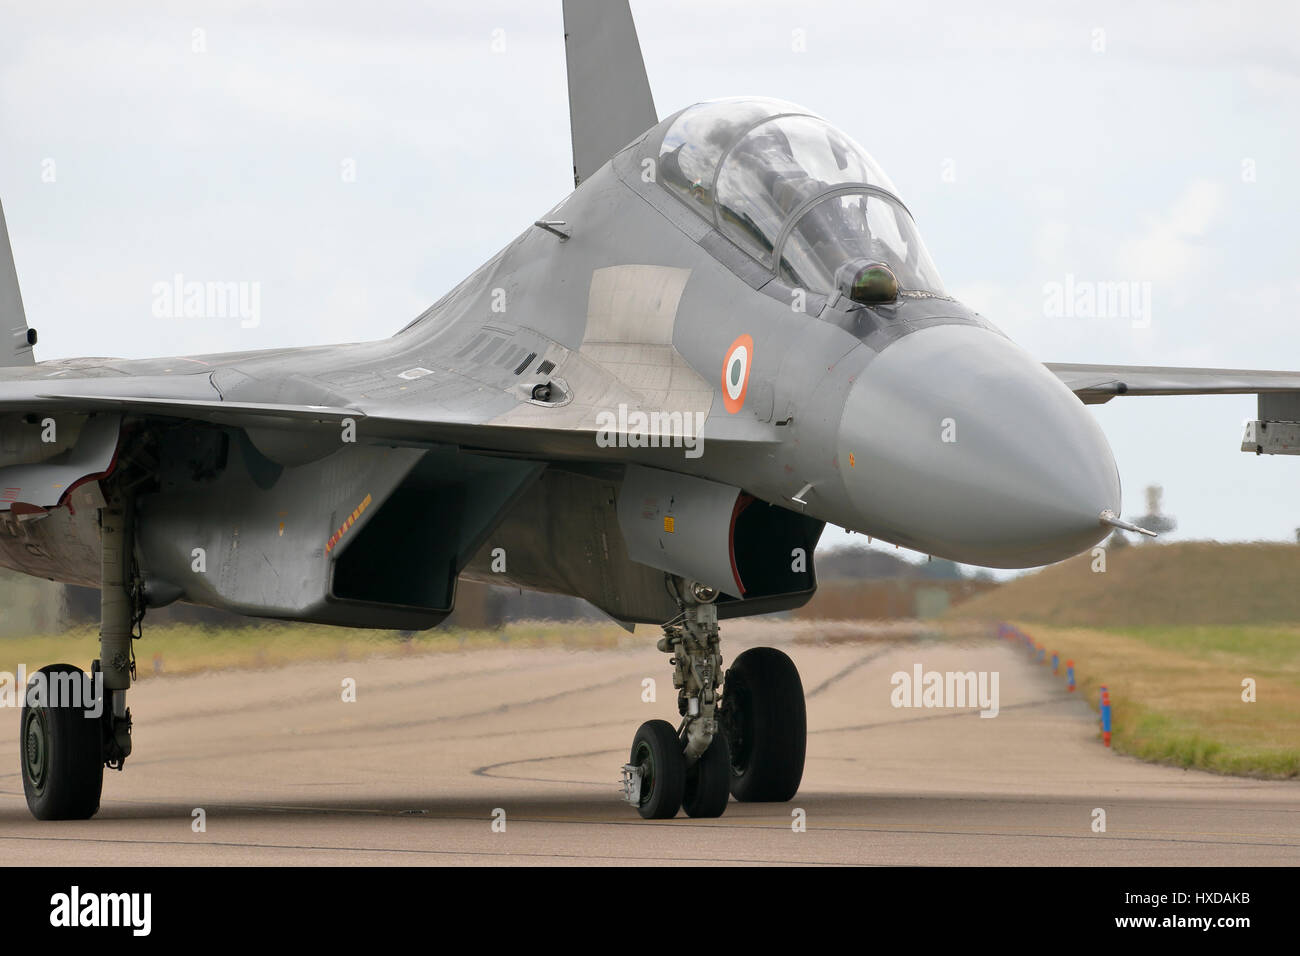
{"x":437,"y":746}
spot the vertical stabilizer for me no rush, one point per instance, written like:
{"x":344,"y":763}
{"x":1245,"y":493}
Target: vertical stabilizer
{"x":18,"y":339}
{"x":609,"y":94}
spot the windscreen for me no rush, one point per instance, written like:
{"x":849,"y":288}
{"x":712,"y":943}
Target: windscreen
{"x":777,"y":167}
{"x":769,"y":173}
{"x":838,"y":235}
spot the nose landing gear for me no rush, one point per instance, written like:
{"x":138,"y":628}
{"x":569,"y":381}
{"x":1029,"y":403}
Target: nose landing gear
{"x":747,"y":742}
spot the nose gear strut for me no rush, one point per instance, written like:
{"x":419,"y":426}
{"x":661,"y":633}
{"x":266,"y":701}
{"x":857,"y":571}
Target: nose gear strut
{"x":697,"y":665}
{"x":690,"y":768}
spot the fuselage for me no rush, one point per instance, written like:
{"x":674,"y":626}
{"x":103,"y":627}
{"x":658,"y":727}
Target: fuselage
{"x":915,"y":421}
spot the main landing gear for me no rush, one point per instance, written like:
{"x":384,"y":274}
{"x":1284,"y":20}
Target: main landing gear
{"x":747,"y":741}
{"x":75,"y":724}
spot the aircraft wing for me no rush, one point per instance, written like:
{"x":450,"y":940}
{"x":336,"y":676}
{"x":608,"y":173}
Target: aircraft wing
{"x":1096,"y":384}
{"x":405,"y":426}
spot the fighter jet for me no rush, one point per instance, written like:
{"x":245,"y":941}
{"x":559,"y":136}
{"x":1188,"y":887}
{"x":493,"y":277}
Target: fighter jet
{"x":655,"y":398}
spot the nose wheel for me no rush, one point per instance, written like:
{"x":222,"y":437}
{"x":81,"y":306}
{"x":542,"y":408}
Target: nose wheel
{"x":743,"y":737}
{"x":657,"y":781}
{"x":655,"y":775}
{"x":708,"y":782}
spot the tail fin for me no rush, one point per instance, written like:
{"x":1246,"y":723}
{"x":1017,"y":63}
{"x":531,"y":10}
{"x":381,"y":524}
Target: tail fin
{"x":16,"y":339}
{"x":609,"y":94}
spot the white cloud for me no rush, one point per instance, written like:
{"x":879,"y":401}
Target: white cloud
{"x":1050,"y":242}
{"x":1172,"y":245}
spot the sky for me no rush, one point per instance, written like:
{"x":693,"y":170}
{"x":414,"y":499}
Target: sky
{"x":357,"y":160}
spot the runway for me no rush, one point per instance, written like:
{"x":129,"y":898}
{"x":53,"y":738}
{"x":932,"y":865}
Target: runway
{"x":438,"y":746}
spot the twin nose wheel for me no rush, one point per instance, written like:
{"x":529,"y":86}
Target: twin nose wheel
{"x":756,"y":756}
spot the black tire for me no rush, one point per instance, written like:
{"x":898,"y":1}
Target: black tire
{"x":658,"y":752}
{"x":61,"y":755}
{"x":765,"y":720}
{"x":708,"y":782}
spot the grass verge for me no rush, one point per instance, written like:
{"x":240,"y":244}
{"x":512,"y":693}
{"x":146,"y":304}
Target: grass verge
{"x":181,"y":649}
{"x":1176,"y":692}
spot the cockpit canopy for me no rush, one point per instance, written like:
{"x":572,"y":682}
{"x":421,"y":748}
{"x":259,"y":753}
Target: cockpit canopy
{"x":796,"y":194}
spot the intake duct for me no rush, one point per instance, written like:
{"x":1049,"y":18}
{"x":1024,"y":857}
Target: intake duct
{"x":716,"y":534}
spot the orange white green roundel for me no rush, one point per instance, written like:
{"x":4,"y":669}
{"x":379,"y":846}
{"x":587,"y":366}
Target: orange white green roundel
{"x":735,"y":373}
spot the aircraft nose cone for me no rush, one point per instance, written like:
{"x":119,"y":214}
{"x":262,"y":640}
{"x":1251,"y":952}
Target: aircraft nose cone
{"x":958,"y":443}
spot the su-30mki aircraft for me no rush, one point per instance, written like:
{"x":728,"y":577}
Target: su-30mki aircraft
{"x":655,"y":398}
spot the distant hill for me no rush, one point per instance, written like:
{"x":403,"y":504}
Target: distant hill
{"x":1185,"y":583}
{"x":856,"y":563}
{"x":868,"y":584}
